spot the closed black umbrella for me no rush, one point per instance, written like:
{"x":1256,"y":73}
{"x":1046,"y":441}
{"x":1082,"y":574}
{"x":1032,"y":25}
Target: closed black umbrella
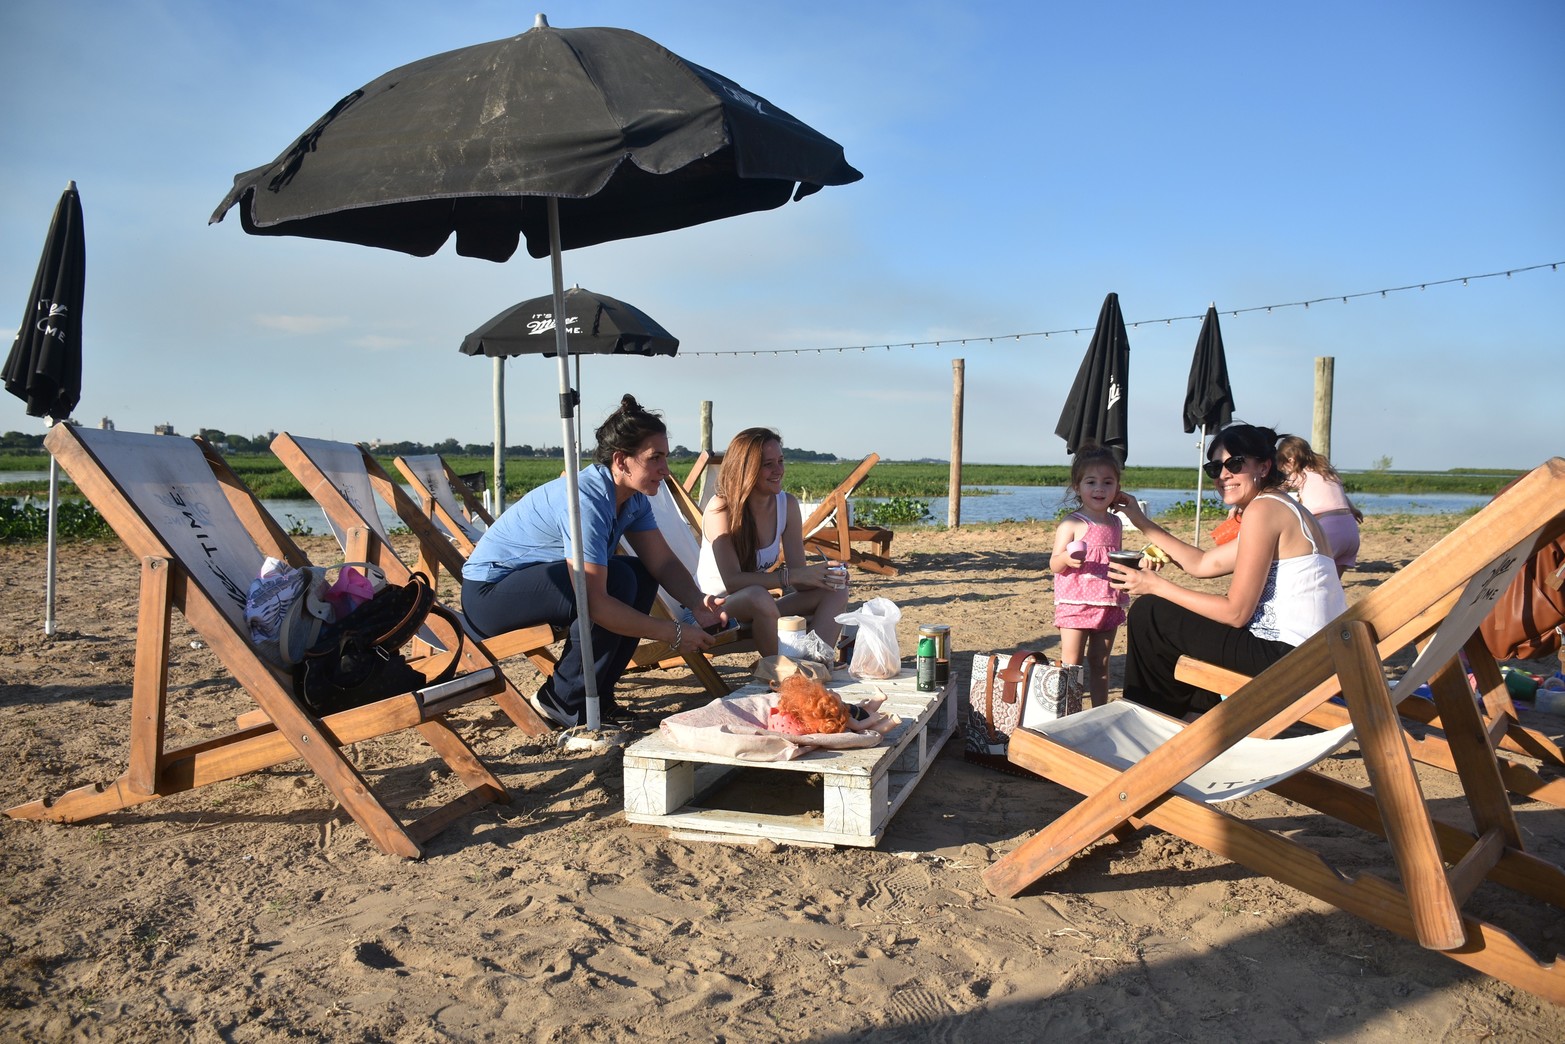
{"x":568,"y":137}
{"x":1097,"y":408}
{"x":595,"y":324}
{"x":44,"y":368}
{"x":1209,"y":400}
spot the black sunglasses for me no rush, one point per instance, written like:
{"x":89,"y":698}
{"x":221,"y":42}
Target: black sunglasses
{"x":1234,"y":464}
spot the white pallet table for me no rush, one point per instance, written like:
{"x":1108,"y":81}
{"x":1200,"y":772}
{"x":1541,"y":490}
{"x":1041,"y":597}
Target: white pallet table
{"x":860,"y":789}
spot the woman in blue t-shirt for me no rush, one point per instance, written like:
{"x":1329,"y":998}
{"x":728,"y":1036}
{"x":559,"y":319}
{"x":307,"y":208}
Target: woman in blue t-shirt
{"x":519,"y":575}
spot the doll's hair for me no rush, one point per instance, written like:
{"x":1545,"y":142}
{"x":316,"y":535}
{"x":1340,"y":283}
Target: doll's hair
{"x":812,"y":705}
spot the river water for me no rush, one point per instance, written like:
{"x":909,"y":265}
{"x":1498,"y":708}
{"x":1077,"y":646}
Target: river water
{"x":980,"y":504}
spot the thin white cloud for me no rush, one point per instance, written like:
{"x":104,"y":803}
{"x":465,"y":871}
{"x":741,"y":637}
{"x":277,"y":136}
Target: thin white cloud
{"x":301,"y":324}
{"x":378,"y":342}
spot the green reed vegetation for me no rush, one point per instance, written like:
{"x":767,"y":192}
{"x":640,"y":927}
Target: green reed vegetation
{"x":904,"y":483}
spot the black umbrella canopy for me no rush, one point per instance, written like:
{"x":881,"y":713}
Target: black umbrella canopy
{"x":1097,"y":408}
{"x":45,"y":364}
{"x":595,"y":323}
{"x":629,"y":137}
{"x":1209,"y":400}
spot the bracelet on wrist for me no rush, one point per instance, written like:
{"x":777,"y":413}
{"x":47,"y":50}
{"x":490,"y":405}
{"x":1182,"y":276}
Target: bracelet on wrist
{"x":785,"y":576}
{"x":679,"y":633}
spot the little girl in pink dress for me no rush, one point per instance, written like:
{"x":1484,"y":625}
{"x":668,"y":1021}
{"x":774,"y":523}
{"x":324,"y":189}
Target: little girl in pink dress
{"x":1087,"y":611}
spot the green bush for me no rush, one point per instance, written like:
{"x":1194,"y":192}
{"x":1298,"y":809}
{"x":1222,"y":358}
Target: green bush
{"x":26,"y":521}
{"x":898,"y":511}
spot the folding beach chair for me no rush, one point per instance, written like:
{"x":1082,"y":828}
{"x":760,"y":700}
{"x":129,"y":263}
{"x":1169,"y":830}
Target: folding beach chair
{"x":447,"y":501}
{"x":347,"y":482}
{"x":202,"y":537}
{"x":829,"y":529}
{"x":1437,"y":602}
{"x":672,"y":508}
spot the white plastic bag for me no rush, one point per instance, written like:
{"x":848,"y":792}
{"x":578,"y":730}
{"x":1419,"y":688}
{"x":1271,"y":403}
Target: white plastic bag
{"x":875,"y":653}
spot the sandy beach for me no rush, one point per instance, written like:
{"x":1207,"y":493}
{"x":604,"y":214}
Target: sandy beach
{"x":253,"y":909}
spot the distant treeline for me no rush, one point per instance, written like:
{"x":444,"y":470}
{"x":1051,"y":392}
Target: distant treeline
{"x":808,"y":479}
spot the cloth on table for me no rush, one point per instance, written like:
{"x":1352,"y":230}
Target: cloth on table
{"x":737,"y":727}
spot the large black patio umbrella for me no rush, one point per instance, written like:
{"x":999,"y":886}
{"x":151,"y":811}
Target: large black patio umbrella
{"x":44,"y":368}
{"x":1209,"y":400}
{"x":595,"y":324}
{"x":568,"y":137}
{"x":1097,"y":408}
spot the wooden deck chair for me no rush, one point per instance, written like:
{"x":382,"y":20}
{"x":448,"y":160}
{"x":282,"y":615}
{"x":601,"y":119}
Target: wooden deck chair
{"x":829,"y":529}
{"x":671,"y":508}
{"x":1437,"y":601}
{"x":201,"y":537}
{"x":347,"y":482}
{"x":456,"y":510}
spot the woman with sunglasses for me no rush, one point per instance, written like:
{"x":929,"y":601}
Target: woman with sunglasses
{"x":1284,"y":587}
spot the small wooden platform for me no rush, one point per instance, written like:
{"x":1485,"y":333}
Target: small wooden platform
{"x":857,"y":793}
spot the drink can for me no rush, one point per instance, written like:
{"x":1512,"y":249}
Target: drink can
{"x":926,"y":665}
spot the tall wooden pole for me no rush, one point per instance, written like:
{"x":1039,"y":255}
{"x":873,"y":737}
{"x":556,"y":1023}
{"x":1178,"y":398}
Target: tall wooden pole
{"x":1320,"y":432}
{"x":954,"y":495}
{"x":706,"y":446}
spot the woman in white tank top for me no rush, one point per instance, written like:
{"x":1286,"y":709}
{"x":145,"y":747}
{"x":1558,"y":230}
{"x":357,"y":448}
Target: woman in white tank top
{"x":752,"y":525}
{"x":1284,"y":587}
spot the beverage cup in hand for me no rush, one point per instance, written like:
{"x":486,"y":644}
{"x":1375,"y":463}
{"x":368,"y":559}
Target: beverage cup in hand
{"x":836,"y":576}
{"x":1128,"y":559}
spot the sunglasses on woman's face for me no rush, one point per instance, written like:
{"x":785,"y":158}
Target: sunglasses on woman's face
{"x":1234,"y":464}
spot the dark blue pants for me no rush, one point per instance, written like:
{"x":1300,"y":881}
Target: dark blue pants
{"x":1159,"y":632}
{"x":542,"y":593}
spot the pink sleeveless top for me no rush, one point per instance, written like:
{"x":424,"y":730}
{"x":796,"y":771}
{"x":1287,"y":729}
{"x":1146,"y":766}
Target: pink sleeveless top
{"x":1089,"y":585}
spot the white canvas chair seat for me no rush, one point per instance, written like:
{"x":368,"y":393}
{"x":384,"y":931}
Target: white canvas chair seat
{"x":1121,"y":733}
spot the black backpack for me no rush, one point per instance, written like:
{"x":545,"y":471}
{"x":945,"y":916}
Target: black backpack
{"x":359,"y":660}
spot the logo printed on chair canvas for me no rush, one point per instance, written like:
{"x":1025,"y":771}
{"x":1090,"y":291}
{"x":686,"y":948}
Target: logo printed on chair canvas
{"x":195,"y":515}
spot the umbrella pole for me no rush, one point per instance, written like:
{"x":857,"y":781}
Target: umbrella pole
{"x":1200,"y":444}
{"x":54,"y":510}
{"x":499,"y":435}
{"x":572,"y":470}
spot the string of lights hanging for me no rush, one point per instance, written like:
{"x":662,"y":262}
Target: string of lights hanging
{"x":990,"y":338}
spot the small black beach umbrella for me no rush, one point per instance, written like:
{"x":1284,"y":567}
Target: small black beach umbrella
{"x":595,"y":324}
{"x":44,"y":368}
{"x":1209,"y":401}
{"x":568,"y":137}
{"x":1097,"y":408}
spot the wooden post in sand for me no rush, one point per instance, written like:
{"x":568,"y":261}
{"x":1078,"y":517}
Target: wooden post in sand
{"x":706,"y":444}
{"x":1320,"y":432}
{"x":954,"y":494}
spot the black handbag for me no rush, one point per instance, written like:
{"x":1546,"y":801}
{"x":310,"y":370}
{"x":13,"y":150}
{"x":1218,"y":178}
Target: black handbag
{"x":359,"y":660}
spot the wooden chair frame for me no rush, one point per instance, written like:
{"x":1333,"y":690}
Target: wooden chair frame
{"x":1439,"y":599}
{"x":829,"y":529}
{"x":201,"y":536}
{"x":335,"y":474}
{"x":422,"y":472}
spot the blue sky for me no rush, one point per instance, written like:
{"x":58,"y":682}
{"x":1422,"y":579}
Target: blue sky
{"x":1021,"y":161}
